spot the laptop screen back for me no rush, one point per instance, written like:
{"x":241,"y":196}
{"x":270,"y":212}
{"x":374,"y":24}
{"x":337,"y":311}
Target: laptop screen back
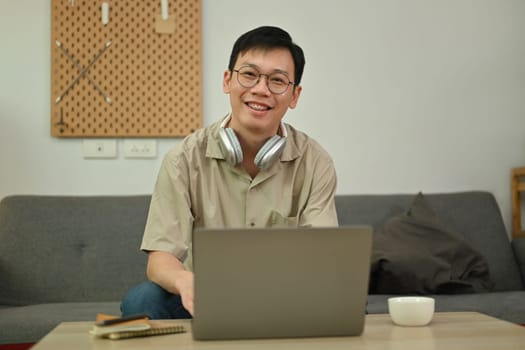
{"x":280,"y":282}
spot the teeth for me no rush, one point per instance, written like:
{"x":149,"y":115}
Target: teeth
{"x":258,"y":107}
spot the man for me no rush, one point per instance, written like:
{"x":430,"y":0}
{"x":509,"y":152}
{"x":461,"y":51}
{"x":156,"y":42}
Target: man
{"x":248,"y":169}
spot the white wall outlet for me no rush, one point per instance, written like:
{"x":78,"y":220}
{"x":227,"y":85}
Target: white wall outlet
{"x":140,"y":148}
{"x":99,"y":148}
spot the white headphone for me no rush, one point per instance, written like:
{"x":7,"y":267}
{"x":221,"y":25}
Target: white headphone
{"x":269,"y":152}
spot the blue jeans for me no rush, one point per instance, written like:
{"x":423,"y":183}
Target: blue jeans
{"x":151,"y":299}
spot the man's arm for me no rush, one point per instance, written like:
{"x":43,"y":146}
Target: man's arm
{"x":320,"y":209}
{"x":168,"y":272}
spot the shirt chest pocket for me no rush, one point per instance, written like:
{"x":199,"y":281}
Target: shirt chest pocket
{"x":278,"y":220}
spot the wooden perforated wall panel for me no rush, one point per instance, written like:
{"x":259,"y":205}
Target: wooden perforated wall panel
{"x":125,"y":78}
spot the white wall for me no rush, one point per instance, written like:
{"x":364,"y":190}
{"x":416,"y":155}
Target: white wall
{"x":406,"y":95}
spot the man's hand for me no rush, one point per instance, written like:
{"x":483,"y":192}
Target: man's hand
{"x":184,"y":285}
{"x":169,"y":273}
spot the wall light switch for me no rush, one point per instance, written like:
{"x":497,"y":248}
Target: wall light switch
{"x":99,"y":148}
{"x":140,"y":148}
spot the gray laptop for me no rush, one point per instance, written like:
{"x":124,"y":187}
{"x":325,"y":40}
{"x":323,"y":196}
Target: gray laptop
{"x":280,"y":282}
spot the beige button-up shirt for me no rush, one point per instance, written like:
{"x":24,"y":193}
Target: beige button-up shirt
{"x":197,"y":187}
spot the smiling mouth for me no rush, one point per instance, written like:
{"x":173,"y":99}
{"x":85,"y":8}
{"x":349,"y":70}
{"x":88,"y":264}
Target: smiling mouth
{"x":258,"y":107}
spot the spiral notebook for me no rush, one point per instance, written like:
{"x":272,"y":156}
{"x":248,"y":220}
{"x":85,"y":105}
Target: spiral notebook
{"x":115,"y":328}
{"x":156,"y":329}
{"x":280,"y":282}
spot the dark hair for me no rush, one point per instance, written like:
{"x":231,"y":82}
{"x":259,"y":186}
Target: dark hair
{"x":269,"y":38}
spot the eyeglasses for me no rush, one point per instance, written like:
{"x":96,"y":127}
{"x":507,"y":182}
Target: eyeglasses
{"x":249,"y":76}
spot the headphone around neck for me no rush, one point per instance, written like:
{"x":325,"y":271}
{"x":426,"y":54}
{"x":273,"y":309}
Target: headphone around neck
{"x":269,"y":152}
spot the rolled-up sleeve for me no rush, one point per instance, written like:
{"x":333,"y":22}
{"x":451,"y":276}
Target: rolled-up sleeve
{"x":170,"y":221}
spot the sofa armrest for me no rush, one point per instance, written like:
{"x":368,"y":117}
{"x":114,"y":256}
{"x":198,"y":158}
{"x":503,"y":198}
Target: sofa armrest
{"x":518,"y":245}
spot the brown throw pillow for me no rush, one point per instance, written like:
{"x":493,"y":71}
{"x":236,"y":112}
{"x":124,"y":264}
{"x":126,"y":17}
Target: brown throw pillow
{"x":414,"y":253}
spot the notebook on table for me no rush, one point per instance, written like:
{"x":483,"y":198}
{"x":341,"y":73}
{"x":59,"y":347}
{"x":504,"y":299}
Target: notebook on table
{"x":280,"y":282}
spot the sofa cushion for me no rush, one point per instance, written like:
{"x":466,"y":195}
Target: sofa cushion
{"x":414,"y":253}
{"x":474,"y":214}
{"x":70,"y":249}
{"x":29,"y":324}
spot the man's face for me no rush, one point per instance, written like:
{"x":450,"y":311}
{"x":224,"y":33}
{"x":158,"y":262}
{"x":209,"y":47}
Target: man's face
{"x":256,"y":110}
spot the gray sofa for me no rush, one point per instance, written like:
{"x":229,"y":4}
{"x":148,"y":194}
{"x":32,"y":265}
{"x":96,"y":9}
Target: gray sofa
{"x":68,"y":258}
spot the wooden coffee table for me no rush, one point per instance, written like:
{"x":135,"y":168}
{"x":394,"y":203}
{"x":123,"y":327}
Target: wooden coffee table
{"x":447,"y":331}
